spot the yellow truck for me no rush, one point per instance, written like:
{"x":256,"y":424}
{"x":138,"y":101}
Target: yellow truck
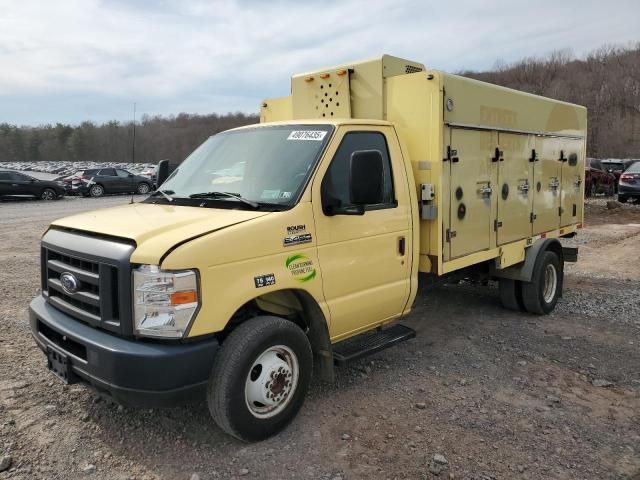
{"x":287,"y":247}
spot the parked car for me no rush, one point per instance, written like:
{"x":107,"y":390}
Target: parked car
{"x":597,"y":179}
{"x":97,"y":182}
{"x":629,"y":183}
{"x":16,"y":183}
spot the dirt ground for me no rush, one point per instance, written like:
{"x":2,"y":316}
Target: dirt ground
{"x":481,"y":393}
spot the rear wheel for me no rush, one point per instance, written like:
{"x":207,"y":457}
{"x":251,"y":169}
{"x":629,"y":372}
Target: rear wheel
{"x":48,"y":194}
{"x":541,"y":294}
{"x":511,"y":294}
{"x":260,"y":378}
{"x":96,"y":190}
{"x":143,"y":188}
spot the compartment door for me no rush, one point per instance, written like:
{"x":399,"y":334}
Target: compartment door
{"x":514,"y":192}
{"x":472,"y":198}
{"x":547,"y":182}
{"x":572,"y":180}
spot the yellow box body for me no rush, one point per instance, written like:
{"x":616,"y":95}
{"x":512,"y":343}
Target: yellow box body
{"x":505,"y":167}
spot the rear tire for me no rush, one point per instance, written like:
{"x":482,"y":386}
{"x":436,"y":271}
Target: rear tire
{"x":48,"y":194}
{"x":96,"y":190}
{"x":541,"y":294}
{"x":511,"y":294}
{"x":260,"y":378}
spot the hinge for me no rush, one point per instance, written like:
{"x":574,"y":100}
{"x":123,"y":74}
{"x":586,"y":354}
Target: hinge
{"x":534,"y":156}
{"x":496,"y":225}
{"x":532,"y":217}
{"x":560,"y":211}
{"x":562,"y":157}
{"x":450,"y":234}
{"x":498,"y":156}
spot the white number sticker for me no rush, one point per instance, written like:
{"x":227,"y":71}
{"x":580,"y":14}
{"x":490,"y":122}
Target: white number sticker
{"x":316,"y":135}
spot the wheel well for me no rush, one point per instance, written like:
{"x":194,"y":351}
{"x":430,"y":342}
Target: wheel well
{"x":299,"y":307}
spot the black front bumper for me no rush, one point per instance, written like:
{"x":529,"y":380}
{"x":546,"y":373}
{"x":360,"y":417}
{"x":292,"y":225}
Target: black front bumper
{"x":138,"y":373}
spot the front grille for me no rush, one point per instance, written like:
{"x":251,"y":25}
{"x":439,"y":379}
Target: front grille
{"x":101,"y":297}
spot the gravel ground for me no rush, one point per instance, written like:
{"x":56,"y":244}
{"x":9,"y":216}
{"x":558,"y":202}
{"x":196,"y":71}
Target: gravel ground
{"x":481,"y":393}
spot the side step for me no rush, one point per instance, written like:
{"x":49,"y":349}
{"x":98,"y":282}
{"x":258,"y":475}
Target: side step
{"x":370,"y":342}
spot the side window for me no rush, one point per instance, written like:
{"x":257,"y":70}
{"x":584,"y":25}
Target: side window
{"x":107,"y":172}
{"x":122,"y":173}
{"x":18,"y":177}
{"x":335,"y":184}
{"x":4,"y":176}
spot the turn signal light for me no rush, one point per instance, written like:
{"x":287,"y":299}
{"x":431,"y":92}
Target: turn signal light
{"x":340,"y":73}
{"x":324,"y":75}
{"x":181,"y":298}
{"x":308,"y":79}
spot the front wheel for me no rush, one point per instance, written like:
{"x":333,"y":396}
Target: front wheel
{"x":48,"y":194}
{"x":541,"y":294}
{"x":260,"y":378}
{"x":143,"y":188}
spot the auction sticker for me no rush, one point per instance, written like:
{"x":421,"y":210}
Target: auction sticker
{"x":301,"y":267}
{"x":316,"y":135}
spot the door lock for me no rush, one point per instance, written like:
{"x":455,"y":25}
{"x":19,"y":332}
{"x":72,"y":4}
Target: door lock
{"x":554,"y":183}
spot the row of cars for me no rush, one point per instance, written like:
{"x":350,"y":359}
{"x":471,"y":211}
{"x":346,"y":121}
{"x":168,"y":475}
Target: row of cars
{"x":95,"y":182}
{"x":613,"y":176}
{"x":63,"y":168}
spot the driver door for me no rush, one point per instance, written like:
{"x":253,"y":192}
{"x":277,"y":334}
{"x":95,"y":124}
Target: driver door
{"x":365,"y":260}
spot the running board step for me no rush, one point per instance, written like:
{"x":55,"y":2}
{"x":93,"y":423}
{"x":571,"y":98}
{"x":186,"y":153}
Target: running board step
{"x":370,"y":342}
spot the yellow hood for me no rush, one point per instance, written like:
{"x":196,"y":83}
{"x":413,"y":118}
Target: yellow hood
{"x":156,"y":228}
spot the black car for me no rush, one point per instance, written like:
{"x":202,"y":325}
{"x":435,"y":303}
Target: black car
{"x":96,"y":182}
{"x":629,"y":184}
{"x":15,"y":183}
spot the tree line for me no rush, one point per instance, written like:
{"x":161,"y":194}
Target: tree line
{"x":156,"y":138}
{"x":607,"y":82}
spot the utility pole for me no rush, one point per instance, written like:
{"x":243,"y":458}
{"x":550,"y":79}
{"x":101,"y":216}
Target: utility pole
{"x":133,"y":146}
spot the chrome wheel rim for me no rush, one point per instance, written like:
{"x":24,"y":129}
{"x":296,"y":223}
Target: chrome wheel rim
{"x":550,"y":283}
{"x":143,"y":188}
{"x":272,"y":381}
{"x":96,"y":191}
{"x":47,"y":195}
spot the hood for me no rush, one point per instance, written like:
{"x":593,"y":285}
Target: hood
{"x":156,"y":228}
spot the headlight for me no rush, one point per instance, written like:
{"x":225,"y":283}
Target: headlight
{"x":164,"y":301}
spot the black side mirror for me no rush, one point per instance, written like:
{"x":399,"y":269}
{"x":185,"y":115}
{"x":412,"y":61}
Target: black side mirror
{"x":163,"y":172}
{"x":131,"y":175}
{"x":366,"y":177}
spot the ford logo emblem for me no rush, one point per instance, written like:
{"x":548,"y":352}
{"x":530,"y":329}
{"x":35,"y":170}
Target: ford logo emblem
{"x":69,"y":282}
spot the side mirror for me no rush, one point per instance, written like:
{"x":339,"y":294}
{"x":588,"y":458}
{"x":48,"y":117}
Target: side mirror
{"x":163,"y":172}
{"x":366,"y":177}
{"x":131,"y":175}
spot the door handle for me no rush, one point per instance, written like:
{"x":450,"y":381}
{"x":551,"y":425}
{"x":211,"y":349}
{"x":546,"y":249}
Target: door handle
{"x":401,"y":246}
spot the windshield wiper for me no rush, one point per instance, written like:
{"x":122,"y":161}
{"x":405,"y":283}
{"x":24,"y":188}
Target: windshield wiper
{"x":224,"y":194}
{"x":165,"y":193}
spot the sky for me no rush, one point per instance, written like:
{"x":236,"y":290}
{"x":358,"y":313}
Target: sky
{"x":75,"y":60}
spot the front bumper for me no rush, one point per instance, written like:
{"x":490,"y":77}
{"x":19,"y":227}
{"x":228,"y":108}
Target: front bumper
{"x":138,"y":373}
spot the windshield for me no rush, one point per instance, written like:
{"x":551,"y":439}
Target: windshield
{"x":262,"y":164}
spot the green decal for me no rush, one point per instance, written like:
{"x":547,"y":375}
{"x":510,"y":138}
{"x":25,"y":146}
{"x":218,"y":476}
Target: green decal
{"x":301,"y":267}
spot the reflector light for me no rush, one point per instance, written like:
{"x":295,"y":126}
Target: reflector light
{"x":340,"y":73}
{"x":180,"y":298}
{"x":308,"y":79}
{"x":324,"y":75}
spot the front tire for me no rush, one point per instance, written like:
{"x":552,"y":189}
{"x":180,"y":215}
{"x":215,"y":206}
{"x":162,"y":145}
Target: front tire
{"x":143,"y":188}
{"x":541,"y":294}
{"x":48,"y":194}
{"x":96,"y":190}
{"x":260,"y":378}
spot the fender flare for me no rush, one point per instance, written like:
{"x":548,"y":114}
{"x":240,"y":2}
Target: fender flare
{"x":524,"y":271}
